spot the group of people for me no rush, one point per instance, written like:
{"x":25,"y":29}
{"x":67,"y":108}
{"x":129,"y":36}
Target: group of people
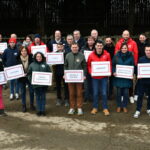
{"x":125,"y":52}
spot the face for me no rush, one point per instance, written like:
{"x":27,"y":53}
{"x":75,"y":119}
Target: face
{"x":76,"y":35}
{"x":58,"y":35}
{"x":37,"y":41}
{"x":142,"y":38}
{"x":74,"y":48}
{"x":147,"y":51}
{"x":99,"y":48}
{"x":60,"y":47}
{"x":90,"y":42}
{"x":126,"y":35}
{"x":108,"y":41}
{"x":24,"y":52}
{"x":28,"y":40}
{"x":69,"y":40}
{"x":12,"y":44}
{"x":13,"y":36}
{"x":39,"y":57}
{"x":94,"y":34}
{"x":124,"y":49}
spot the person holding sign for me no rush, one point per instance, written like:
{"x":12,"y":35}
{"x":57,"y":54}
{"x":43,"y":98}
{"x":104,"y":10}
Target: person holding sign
{"x":99,"y":83}
{"x":59,"y":73}
{"x":37,"y":42}
{"x":123,"y":57}
{"x":25,"y":59}
{"x":144,"y":84}
{"x":10,"y":59}
{"x":2,"y":108}
{"x":39,"y":65}
{"x":75,"y":61}
{"x":88,"y":48}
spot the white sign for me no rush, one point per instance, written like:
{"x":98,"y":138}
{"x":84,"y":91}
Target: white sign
{"x":101,"y":68}
{"x":54,"y":47}
{"x":144,"y":70}
{"x":55,"y":58}
{"x":74,"y":76}
{"x":86,"y":54}
{"x":123,"y":71}
{"x":3,"y":46}
{"x":41,"y":78}
{"x":2,"y":78}
{"x":14,"y":72}
{"x":40,"y":48}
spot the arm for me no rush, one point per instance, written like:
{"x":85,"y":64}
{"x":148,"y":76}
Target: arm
{"x":84,"y":66}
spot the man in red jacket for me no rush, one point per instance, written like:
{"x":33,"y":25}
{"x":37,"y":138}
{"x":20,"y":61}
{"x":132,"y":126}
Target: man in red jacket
{"x":132,"y":46}
{"x":99,"y":83}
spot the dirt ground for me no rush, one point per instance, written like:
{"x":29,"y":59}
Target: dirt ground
{"x":58,"y":131}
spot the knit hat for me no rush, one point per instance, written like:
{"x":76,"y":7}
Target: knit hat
{"x":12,"y":40}
{"x":37,"y":36}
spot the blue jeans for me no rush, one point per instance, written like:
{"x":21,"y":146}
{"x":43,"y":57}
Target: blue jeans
{"x":14,"y":84}
{"x":125,"y":93}
{"x":143,"y":89}
{"x":88,"y":94}
{"x":40,"y":98}
{"x":23,"y":92}
{"x":100,"y":85}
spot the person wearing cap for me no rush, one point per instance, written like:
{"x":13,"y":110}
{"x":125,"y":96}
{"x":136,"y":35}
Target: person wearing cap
{"x":9,"y":58}
{"x":37,"y":42}
{"x":18,"y":42}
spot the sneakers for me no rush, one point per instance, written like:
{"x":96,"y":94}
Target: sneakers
{"x":80,"y":111}
{"x":58,"y":102}
{"x":135,"y":98}
{"x":106,"y":112}
{"x":24,"y":108}
{"x":94,"y":111}
{"x":66,"y":103}
{"x":131,"y":100}
{"x":136,"y":114}
{"x":17,"y":96}
{"x":148,"y":112}
{"x":71,"y":111}
{"x":11,"y":97}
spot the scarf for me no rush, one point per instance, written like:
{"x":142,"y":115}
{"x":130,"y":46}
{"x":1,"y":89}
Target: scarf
{"x":25,"y":62}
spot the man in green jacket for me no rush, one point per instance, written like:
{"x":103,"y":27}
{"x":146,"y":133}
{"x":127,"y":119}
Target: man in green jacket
{"x":75,"y":61}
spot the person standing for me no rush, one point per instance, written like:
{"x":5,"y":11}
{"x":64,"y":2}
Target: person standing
{"x":99,"y":83}
{"x":9,"y":58}
{"x":132,"y":47}
{"x":123,"y":57}
{"x":39,"y":65}
{"x":144,"y":85}
{"x":75,"y":61}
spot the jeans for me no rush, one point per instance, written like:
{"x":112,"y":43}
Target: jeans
{"x":88,"y":90}
{"x":23,"y":92}
{"x":14,"y":84}
{"x":40,"y":98}
{"x":110,"y":92}
{"x":125,"y":93}
{"x":100,"y":85}
{"x":59,"y":79}
{"x":143,"y":89}
{"x":136,"y":91}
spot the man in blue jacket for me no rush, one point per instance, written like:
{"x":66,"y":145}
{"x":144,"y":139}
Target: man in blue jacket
{"x":9,"y":58}
{"x":144,"y":85}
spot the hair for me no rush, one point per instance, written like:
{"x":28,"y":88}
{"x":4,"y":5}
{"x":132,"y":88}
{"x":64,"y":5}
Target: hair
{"x":147,"y":45}
{"x":75,"y":44}
{"x":76,"y":31}
{"x":21,"y":48}
{"x":99,"y":42}
{"x":43,"y":57}
{"x":124,"y":44}
{"x":90,"y":37}
{"x":60,"y":43}
{"x":28,"y":37}
{"x":69,"y":35}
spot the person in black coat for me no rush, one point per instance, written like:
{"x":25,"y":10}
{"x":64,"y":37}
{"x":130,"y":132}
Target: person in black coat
{"x":25,"y":59}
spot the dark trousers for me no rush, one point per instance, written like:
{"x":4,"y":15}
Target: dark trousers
{"x":125,"y":93}
{"x":40,"y":98}
{"x":23,"y":92}
{"x":59,"y":80}
{"x":143,"y":88}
